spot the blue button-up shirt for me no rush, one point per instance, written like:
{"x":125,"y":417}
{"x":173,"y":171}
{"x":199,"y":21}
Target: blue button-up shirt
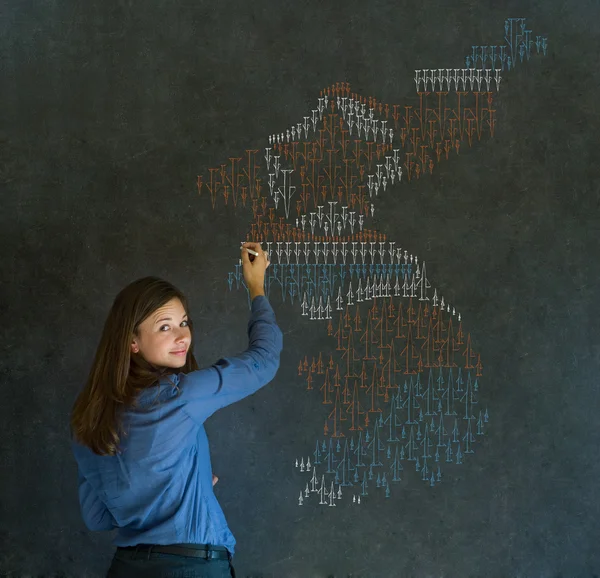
{"x":159,"y":489}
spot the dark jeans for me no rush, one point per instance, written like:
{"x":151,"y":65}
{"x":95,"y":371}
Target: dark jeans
{"x":132,"y":564}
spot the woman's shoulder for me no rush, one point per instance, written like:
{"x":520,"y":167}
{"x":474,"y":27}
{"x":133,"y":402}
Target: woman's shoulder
{"x":163,"y":390}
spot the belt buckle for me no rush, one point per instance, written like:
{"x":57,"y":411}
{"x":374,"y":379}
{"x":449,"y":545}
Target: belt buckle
{"x":210,"y":553}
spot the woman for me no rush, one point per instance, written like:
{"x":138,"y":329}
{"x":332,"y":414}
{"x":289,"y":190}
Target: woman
{"x":154,"y":484}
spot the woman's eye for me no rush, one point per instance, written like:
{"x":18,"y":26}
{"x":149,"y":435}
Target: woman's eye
{"x":185,"y":323}
{"x":163,"y":327}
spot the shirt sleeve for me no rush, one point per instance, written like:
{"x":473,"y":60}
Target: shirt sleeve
{"x":232,"y":378}
{"x":95,"y":514}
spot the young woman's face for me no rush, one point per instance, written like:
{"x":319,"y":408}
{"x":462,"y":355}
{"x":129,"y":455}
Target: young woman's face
{"x":164,"y":337}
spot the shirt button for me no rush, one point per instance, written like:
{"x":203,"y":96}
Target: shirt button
{"x":255,"y":365}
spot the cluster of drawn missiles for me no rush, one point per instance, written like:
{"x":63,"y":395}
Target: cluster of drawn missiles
{"x":327,"y":497}
{"x":483,"y":54}
{"x":329,"y":224}
{"x":517,"y":36}
{"x":294,"y":133}
{"x":379,"y":179}
{"x":519,"y":42}
{"x":457,"y":77}
{"x":362,"y":252}
{"x":355,"y":113}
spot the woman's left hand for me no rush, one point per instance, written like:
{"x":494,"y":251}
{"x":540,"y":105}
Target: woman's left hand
{"x":215,"y":480}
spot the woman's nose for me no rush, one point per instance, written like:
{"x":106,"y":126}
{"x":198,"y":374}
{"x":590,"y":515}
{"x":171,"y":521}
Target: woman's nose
{"x":182,"y":334}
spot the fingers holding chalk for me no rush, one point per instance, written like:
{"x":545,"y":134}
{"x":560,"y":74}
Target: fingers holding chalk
{"x":254,"y":262}
{"x":254,"y":250}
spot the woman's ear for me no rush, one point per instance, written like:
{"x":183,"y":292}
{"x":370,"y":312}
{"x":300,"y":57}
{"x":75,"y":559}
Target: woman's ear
{"x":134,"y":346}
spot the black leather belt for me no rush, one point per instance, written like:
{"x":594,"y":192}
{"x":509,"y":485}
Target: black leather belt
{"x":206,"y":551}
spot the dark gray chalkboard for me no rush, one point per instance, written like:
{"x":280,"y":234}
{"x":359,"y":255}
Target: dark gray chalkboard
{"x":113,"y":115}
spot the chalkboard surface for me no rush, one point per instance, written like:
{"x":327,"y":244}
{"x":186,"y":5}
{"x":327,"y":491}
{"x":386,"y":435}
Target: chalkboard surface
{"x":425,"y":180}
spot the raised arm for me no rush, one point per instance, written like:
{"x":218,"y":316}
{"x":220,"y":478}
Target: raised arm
{"x":233,"y":378}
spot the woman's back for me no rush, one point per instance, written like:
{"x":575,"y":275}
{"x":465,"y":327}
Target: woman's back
{"x":159,"y":489}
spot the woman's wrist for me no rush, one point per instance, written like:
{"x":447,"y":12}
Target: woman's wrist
{"x":255,"y":292}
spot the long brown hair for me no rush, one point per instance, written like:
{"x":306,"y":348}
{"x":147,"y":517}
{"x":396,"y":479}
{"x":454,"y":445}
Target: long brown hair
{"x":117,"y":376}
